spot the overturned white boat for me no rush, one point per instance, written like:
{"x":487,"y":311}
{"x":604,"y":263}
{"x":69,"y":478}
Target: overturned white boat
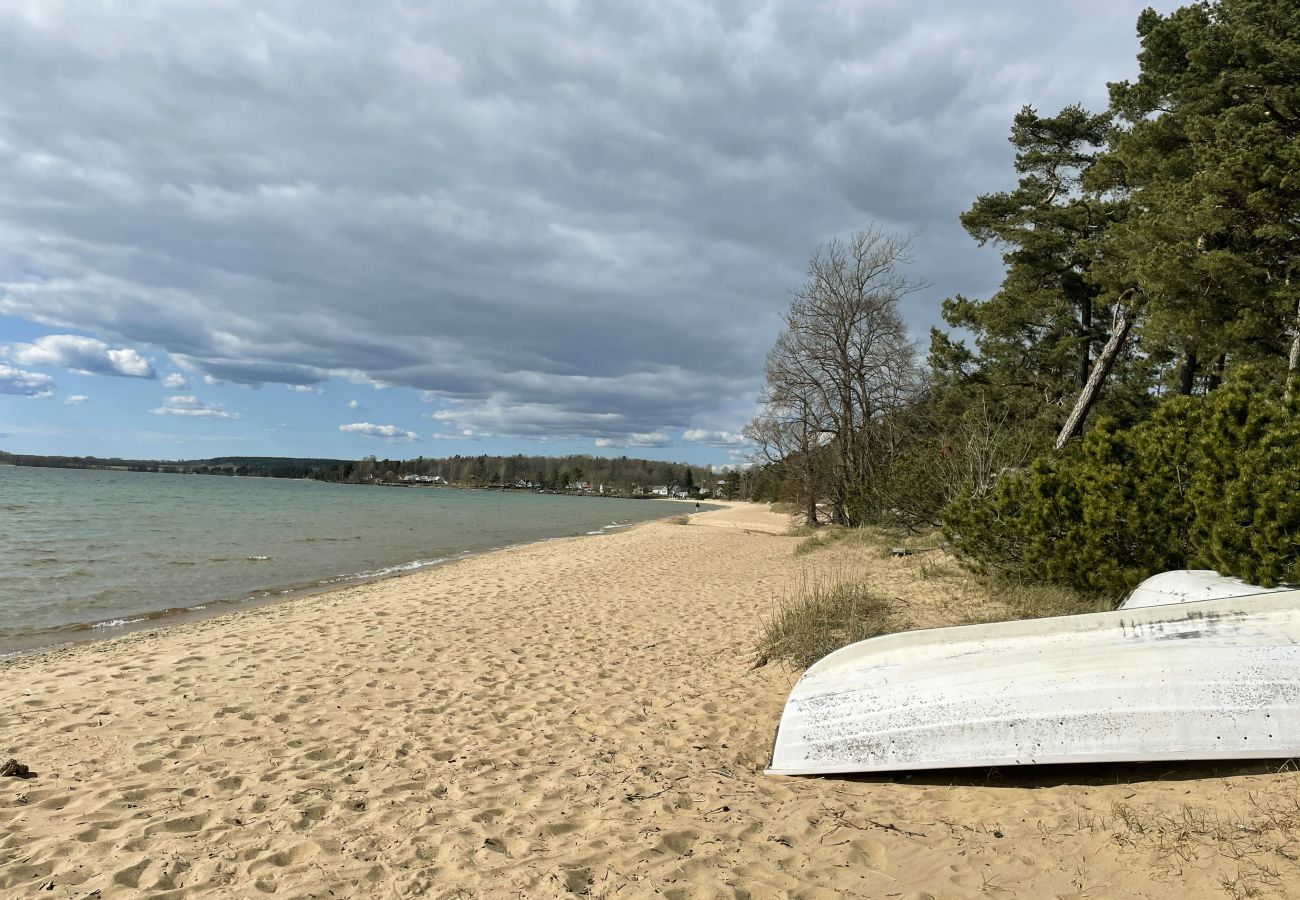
{"x":1193,"y":585}
{"x":1211,"y":679}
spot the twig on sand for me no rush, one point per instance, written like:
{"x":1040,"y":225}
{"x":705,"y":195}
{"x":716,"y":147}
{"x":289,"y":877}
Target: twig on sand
{"x":841,"y":820}
{"x":671,"y":785}
{"x":890,"y":826}
{"x":637,"y":797}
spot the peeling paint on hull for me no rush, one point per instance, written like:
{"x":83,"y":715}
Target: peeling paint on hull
{"x":1215,"y":679}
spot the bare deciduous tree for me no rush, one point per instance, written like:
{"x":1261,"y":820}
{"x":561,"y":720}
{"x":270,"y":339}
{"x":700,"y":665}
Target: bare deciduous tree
{"x":785,"y":431}
{"x":844,"y":363}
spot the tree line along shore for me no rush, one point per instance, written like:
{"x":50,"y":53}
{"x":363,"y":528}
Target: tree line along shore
{"x":578,"y":473}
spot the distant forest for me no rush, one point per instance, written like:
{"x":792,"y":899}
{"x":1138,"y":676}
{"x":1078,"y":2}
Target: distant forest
{"x":623,"y":476}
{"x":620,"y":476}
{"x":255,"y":466}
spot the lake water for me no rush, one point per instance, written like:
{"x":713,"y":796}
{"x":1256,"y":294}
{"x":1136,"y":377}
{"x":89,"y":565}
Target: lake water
{"x":85,"y":553}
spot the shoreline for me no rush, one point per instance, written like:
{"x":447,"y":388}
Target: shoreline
{"x":78,"y":633}
{"x":569,"y":717}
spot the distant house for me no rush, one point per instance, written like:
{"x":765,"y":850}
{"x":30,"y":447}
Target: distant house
{"x":660,"y":490}
{"x":424,"y":479}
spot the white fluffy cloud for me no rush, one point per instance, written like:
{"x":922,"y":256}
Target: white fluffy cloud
{"x":385,"y":431}
{"x":306,"y":388}
{"x":83,"y":355}
{"x":25,"y":384}
{"x":714,"y":438}
{"x":189,"y":405}
{"x":644,"y":439}
{"x":75,"y":399}
{"x":175,"y":381}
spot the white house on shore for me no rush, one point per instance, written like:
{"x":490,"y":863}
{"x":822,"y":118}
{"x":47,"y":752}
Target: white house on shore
{"x":424,"y":479}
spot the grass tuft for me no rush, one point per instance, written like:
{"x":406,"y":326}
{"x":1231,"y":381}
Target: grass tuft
{"x":827,"y":536}
{"x":1258,"y":845}
{"x":824,"y":614}
{"x":931,"y":571}
{"x":808,"y":545}
{"x":1033,"y":600}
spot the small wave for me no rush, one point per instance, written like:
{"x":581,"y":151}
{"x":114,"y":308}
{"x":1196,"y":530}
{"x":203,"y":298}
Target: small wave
{"x":75,"y":573}
{"x":381,"y":573}
{"x":117,"y":623}
{"x":257,"y":557}
{"x":404,"y":567}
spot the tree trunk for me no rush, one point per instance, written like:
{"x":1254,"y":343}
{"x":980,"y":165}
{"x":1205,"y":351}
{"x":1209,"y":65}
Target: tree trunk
{"x":1106,"y":361}
{"x":810,"y":487}
{"x":1216,"y":374}
{"x":1085,"y":362}
{"x":1187,"y":372}
{"x":1085,"y":332}
{"x":1293,"y":361}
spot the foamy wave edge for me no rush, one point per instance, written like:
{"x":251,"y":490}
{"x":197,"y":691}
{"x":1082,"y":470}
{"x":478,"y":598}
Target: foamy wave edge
{"x":387,"y":570}
{"x":118,"y":623}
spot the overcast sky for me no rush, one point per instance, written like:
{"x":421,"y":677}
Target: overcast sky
{"x":330,"y":228}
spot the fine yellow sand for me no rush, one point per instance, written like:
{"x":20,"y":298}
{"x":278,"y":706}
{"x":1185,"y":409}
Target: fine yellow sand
{"x":573,"y":717}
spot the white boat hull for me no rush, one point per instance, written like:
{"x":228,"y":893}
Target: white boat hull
{"x":1217,"y":679}
{"x":1192,"y":586}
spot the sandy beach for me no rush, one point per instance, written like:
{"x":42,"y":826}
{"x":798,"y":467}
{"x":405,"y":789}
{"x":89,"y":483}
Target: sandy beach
{"x":576,"y":717}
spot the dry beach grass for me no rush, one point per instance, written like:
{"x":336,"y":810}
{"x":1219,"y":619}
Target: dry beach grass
{"x":577,"y":717}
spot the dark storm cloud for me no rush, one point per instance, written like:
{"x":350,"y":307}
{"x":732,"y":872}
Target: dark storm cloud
{"x":561,"y":218}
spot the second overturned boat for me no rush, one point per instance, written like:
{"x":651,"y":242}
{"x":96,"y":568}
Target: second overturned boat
{"x":1191,"y":585}
{"x":1212,"y":679}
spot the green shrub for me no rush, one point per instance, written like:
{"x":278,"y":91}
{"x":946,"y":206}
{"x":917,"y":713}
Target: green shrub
{"x":1202,"y":483}
{"x":1247,"y":519}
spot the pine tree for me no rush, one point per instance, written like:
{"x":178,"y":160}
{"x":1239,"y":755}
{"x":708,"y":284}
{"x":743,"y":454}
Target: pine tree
{"x":1039,"y":330}
{"x":1206,"y":154}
